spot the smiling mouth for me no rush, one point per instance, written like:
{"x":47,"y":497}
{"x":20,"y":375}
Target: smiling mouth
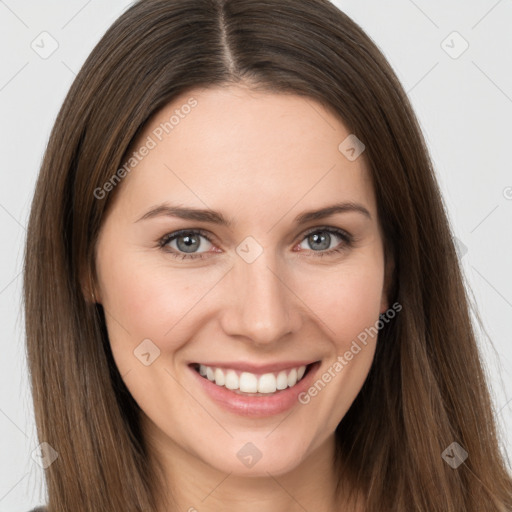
{"x":252,"y":384}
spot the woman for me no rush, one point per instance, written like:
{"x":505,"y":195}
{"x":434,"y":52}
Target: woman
{"x":191,"y":346}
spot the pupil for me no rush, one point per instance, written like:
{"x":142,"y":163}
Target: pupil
{"x":321,"y":238}
{"x":190,"y":241}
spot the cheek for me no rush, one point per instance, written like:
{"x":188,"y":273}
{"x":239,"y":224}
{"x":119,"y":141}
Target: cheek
{"x":136,"y":303}
{"x":148,"y":299}
{"x":349,"y":305}
{"x":346,"y":300}
{"x":144,"y":307}
{"x":350,"y":308}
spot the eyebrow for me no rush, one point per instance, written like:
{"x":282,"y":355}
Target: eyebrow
{"x":214,"y":217}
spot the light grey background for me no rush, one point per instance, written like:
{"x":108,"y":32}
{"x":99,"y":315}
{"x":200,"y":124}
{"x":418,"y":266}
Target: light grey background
{"x":463,"y":101}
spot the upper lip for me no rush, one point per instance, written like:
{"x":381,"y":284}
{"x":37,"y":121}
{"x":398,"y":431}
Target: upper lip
{"x":257,"y":369}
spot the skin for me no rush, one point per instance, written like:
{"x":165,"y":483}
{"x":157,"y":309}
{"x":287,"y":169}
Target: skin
{"x":260,"y":159}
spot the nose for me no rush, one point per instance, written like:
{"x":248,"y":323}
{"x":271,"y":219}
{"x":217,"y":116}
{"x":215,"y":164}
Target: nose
{"x":261,"y":304}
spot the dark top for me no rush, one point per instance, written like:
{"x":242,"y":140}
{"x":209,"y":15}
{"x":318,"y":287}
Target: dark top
{"x":38,"y":509}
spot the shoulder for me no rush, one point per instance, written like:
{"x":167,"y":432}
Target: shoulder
{"x":38,"y":509}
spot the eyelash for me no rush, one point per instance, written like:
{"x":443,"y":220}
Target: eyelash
{"x":346,"y":244}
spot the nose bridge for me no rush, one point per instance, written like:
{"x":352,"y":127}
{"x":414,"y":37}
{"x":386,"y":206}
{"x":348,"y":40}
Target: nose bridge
{"x":262,"y":307}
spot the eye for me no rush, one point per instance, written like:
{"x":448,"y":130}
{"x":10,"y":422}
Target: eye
{"x":189,"y":241}
{"x":320,"y":239}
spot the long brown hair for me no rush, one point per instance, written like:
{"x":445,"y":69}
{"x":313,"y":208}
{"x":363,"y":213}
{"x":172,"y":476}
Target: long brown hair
{"x":427,"y":387}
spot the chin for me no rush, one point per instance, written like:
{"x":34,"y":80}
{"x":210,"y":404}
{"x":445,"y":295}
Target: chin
{"x":257,"y":458}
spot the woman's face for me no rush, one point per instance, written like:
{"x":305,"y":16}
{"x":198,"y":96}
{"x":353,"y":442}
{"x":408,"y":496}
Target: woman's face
{"x":254,"y":288}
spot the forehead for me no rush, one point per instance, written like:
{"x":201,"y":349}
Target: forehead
{"x":233,"y":147}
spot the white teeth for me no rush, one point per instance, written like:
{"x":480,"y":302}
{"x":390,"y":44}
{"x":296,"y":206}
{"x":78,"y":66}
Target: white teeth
{"x":292,"y":378}
{"x":282,"y":380}
{"x":267,"y":383}
{"x":231,"y":379}
{"x":219,"y":377}
{"x":248,"y":382}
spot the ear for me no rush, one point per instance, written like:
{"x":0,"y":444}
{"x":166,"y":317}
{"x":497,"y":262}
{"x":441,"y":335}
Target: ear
{"x":389,"y":269}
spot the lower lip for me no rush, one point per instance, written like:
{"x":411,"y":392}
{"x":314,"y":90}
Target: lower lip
{"x":257,"y":406}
